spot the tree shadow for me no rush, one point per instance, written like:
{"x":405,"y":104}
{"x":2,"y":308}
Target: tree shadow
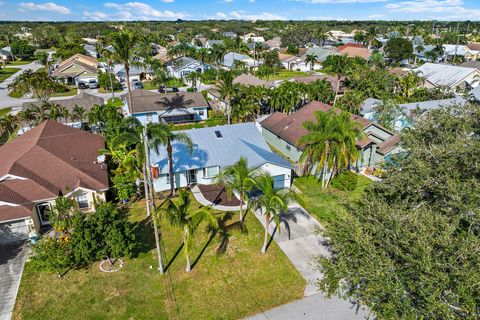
{"x":144,"y":234}
{"x":172,"y":259}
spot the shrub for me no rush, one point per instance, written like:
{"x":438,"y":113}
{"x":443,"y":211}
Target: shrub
{"x":345,"y":181}
{"x":52,"y":254}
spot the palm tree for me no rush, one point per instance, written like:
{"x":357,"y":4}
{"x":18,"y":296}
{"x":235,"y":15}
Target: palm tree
{"x":38,"y":84}
{"x":78,"y":113}
{"x":338,"y":66}
{"x":192,"y":77}
{"x":161,"y":134}
{"x":227,"y":90}
{"x":42,"y":58}
{"x":124,"y":51}
{"x":238,"y":178}
{"x":178,"y":214}
{"x":271,"y":202}
{"x":61,"y":215}
{"x":311,"y":58}
{"x":8,"y":124}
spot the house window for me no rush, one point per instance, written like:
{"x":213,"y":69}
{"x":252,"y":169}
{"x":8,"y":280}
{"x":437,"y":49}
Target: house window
{"x":201,"y":112}
{"x":288,"y":147}
{"x":166,"y":176}
{"x":210,"y":172}
{"x":82,"y":201}
{"x":149,"y":118}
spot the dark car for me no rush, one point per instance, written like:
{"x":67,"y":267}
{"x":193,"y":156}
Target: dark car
{"x":164,"y":89}
{"x":82,"y":85}
{"x":137,"y":85}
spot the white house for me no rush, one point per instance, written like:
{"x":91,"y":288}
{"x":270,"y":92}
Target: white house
{"x":6,"y":54}
{"x":445,"y":75}
{"x":230,"y":58}
{"x":181,"y":67}
{"x":149,"y":106}
{"x":215,"y":148}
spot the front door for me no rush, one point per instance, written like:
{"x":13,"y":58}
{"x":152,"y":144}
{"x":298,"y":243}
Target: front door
{"x":192,"y":176}
{"x":43,"y":209}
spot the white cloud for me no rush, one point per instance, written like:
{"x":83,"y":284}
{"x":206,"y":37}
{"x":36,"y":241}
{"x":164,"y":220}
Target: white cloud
{"x":376,"y":16}
{"x":338,"y":1}
{"x":47,"y":6}
{"x":96,"y":15}
{"x":251,"y":1}
{"x":221,"y":15}
{"x":168,"y":1}
{"x":141,"y":11}
{"x":451,"y":9}
{"x":325,"y":18}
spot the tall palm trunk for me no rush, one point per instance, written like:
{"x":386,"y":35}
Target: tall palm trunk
{"x":127,"y":71}
{"x":111,"y":82}
{"x":188,"y":268}
{"x":170,"y":169}
{"x":265,"y":240}
{"x":241,"y":206}
{"x":337,"y":87}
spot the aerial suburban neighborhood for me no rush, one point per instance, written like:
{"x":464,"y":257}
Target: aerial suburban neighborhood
{"x":240,"y":160}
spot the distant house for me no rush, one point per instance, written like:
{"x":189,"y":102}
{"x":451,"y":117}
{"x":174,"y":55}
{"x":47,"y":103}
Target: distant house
{"x":136,"y":73}
{"x":252,"y":37}
{"x":49,"y":161}
{"x":282,"y":131}
{"x":229,"y":34}
{"x":474,"y":46}
{"x":215,"y":148}
{"x":452,"y":50}
{"x":148,"y":106}
{"x":444,"y":75}
{"x":230,"y":58}
{"x":471,"y":64}
{"x":332,"y":79}
{"x":293,"y":62}
{"x":210,"y":43}
{"x":216,"y":102}
{"x":274,"y":43}
{"x":83,"y":100}
{"x":6,"y":54}
{"x":353,"y":50}
{"x":181,"y":67}
{"x":90,"y":50}
{"x":78,"y":67}
{"x":321,"y":53}
{"x":250,"y":80}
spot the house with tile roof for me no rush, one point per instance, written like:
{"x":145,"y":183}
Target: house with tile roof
{"x":282,"y":131}
{"x":50,"y":161}
{"x":251,"y":80}
{"x":353,"y":50}
{"x":77,"y":68}
{"x":215,"y":148}
{"x":181,"y":107}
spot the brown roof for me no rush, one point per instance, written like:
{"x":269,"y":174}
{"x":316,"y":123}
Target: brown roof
{"x":51,"y":160}
{"x":144,"y":100}
{"x":85,"y":62}
{"x":333,"y":81}
{"x":387,"y":145}
{"x":398,"y":71}
{"x":290,"y":127}
{"x":249,"y":80}
{"x":474,"y":46}
{"x":353,"y":51}
{"x":84,"y":100}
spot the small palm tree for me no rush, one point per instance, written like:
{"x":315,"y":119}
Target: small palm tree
{"x":178,"y":214}
{"x":61,"y":215}
{"x":161,"y":134}
{"x":226,"y":90}
{"x":271,"y":202}
{"x":78,"y":113}
{"x":311,"y":58}
{"x":339,"y":66}
{"x":238,"y":178}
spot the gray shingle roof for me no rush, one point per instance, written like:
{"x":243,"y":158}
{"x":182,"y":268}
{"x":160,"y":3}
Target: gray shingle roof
{"x":408,"y":108}
{"x":148,"y":101}
{"x":238,"y":140}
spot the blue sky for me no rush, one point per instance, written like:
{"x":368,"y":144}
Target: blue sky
{"x":92,"y":10}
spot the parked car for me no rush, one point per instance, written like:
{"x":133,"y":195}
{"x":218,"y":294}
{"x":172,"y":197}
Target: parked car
{"x":82,"y":85}
{"x":164,"y":89}
{"x":93,"y":84}
{"x":137,"y":84}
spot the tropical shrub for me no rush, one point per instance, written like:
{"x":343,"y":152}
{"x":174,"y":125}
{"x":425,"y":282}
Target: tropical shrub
{"x":52,"y":254}
{"x":345,"y":181}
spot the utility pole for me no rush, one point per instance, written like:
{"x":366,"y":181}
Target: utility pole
{"x":456,"y":46}
{"x":146,"y":181}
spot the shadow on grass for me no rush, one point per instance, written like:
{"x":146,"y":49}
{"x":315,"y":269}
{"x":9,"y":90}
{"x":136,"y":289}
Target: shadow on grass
{"x":144,"y":233}
{"x":174,"y":257}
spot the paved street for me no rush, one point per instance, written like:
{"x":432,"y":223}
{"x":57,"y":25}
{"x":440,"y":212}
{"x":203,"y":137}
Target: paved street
{"x":12,"y":260}
{"x":300,"y":241}
{"x":5,"y":99}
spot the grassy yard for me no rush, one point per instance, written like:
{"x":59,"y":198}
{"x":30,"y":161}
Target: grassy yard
{"x":116,"y":102}
{"x":148,"y":85}
{"x":285,"y":75}
{"x":232,"y":285}
{"x":7,"y":72}
{"x":326,"y":205}
{"x":4,"y":111}
{"x":19,"y":62}
{"x":70,"y":92}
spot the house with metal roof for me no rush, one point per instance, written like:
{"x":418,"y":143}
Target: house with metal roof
{"x":6,"y":54}
{"x":148,"y":106}
{"x":283,"y":131}
{"x":230,"y":58}
{"x":445,"y":75}
{"x":181,"y":67}
{"x":210,"y":43}
{"x":215,"y":148}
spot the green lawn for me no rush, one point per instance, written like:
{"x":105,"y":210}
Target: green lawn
{"x":233,"y":285}
{"x":5,"y":111}
{"x":116,"y":102}
{"x":19,"y":62}
{"x":70,"y":92}
{"x":174,"y":82}
{"x":285,"y":75}
{"x":326,"y":205}
{"x":148,"y":85}
{"x":7,"y":72}
{"x":15,"y":94}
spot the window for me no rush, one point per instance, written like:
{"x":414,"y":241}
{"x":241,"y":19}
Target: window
{"x":201,"y":112}
{"x":288,"y":147}
{"x":149,"y":118}
{"x":82,"y":201}
{"x":210,"y":172}
{"x":166,"y":176}
{"x":218,"y":134}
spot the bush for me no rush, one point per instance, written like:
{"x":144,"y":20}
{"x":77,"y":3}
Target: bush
{"x":104,"y":81}
{"x":345,"y":181}
{"x":191,"y":90}
{"x":52,"y":254}
{"x":124,"y":186}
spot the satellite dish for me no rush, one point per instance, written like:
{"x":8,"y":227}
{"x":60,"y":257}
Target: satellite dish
{"x":101,"y":158}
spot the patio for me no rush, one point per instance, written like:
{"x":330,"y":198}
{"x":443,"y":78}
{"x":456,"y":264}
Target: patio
{"x":215,"y":195}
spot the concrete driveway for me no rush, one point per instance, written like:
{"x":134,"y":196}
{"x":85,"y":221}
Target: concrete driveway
{"x":300,"y":240}
{"x":12,"y":260}
{"x":5,"y":99}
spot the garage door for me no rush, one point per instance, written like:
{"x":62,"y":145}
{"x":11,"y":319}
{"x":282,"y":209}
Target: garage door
{"x":279,"y":181}
{"x":12,"y":232}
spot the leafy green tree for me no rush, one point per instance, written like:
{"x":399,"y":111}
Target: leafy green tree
{"x":105,"y":81}
{"x":409,"y":249}
{"x":399,"y":49}
{"x":238,"y":178}
{"x":38,"y":84}
{"x":160,"y":134}
{"x":179,"y":214}
{"x":52,"y":254}
{"x":68,"y":49}
{"x":339,"y":66}
{"x":291,"y":49}
{"x":271,"y":202}
{"x":22,"y":49}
